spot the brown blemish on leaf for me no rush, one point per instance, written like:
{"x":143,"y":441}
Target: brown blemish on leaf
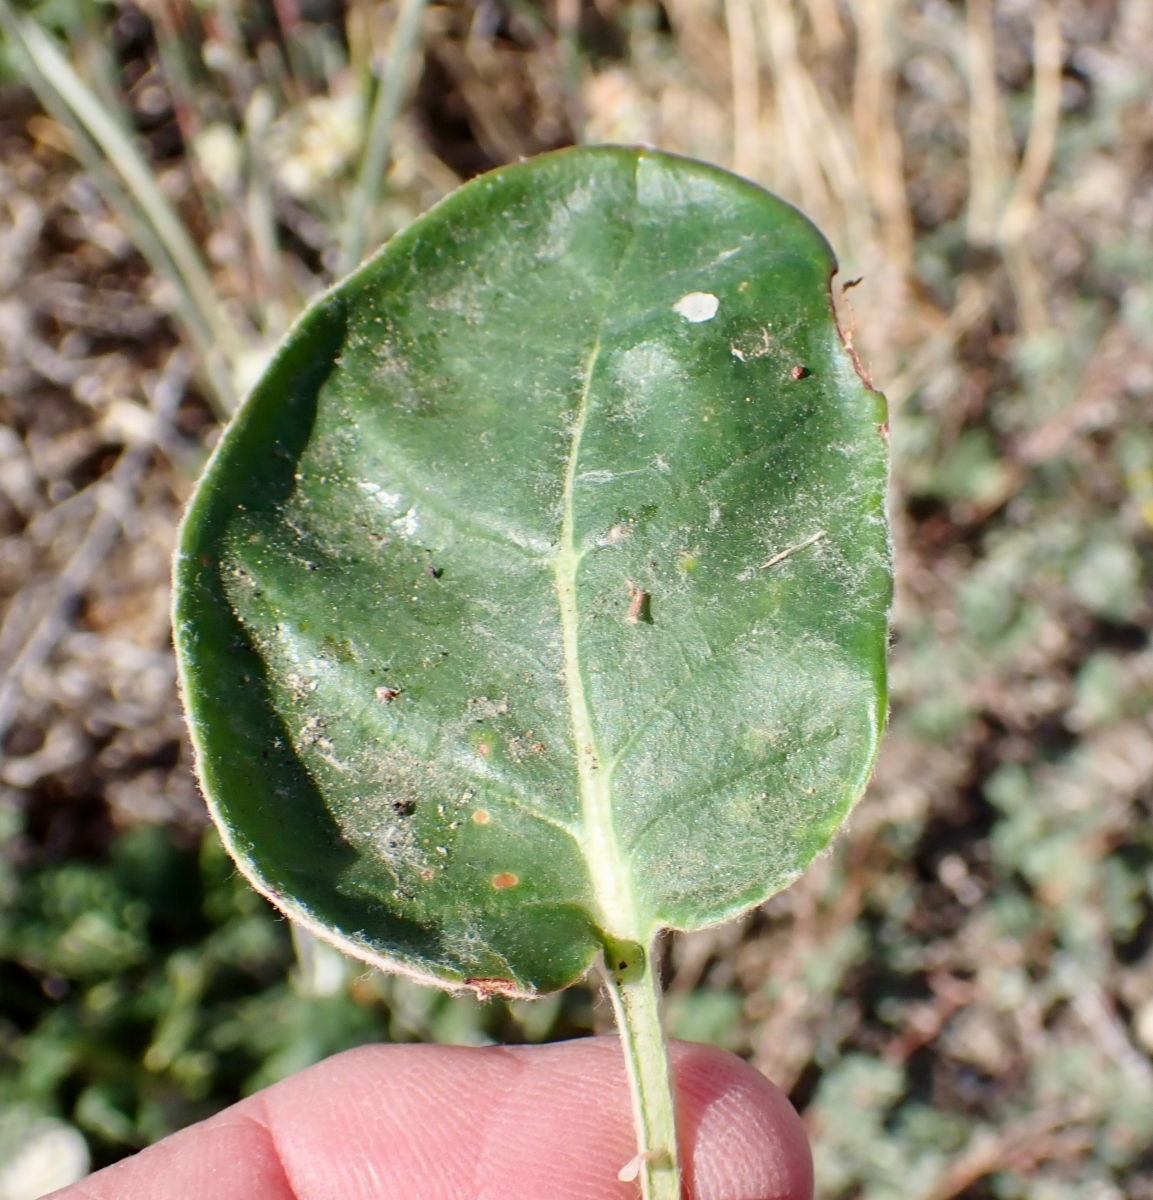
{"x":505,"y":879}
{"x":485,"y":989}
{"x":520,"y":745}
{"x":640,"y":605}
{"x":846,"y":335}
{"x":481,"y":817}
{"x":426,"y":874}
{"x":637,"y":599}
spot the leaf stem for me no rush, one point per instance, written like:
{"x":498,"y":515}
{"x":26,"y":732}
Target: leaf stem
{"x":635,"y":995}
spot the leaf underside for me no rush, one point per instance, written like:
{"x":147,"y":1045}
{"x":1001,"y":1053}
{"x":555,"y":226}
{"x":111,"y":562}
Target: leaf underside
{"x":537,"y":596}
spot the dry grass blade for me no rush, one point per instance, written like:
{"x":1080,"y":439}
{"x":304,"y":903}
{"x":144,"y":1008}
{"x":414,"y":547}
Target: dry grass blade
{"x":746,"y":91}
{"x":261,"y":218}
{"x":395,"y":80}
{"x":874,"y":119}
{"x":105,"y":131}
{"x":78,"y":111}
{"x":794,"y":109}
{"x":826,"y":22}
{"x":568,"y":46}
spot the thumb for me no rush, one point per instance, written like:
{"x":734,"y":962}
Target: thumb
{"x":451,"y":1123}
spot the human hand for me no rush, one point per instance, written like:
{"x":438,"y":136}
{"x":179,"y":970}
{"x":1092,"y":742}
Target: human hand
{"x":451,"y":1123}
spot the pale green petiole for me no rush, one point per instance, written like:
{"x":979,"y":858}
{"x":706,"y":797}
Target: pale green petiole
{"x":635,"y":994}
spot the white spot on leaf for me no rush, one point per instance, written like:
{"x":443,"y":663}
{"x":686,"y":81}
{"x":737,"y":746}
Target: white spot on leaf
{"x":407,"y":525}
{"x":697,"y":306}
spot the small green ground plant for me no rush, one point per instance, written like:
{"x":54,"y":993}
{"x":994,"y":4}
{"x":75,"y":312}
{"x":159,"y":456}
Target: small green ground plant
{"x":536,"y":599}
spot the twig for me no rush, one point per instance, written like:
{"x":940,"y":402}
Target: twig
{"x":114,"y":506}
{"x":1022,"y":207}
{"x":1027,"y":1141}
{"x":972,"y":304}
{"x":1046,"y":116}
{"x":1101,"y":1022}
{"x":783,"y":554}
{"x":390,"y":96}
{"x":925,"y":1021}
{"x":986,"y":157}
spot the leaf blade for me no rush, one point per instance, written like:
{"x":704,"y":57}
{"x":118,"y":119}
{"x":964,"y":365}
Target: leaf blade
{"x":518,"y":476}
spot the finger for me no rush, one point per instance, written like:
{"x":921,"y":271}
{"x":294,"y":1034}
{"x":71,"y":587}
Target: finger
{"x":451,"y":1123}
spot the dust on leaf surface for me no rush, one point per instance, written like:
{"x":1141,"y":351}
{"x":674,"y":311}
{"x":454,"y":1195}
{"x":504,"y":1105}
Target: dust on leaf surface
{"x":433,"y":720}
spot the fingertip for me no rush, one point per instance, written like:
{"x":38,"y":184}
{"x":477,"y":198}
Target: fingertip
{"x":740,"y":1137}
{"x":491,"y":1124}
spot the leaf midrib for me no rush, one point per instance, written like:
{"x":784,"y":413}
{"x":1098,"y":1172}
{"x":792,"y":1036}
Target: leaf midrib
{"x":611,"y":881}
{"x":608,"y":869}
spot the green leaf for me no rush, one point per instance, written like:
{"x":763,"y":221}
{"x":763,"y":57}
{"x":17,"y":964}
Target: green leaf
{"x":537,"y":596}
